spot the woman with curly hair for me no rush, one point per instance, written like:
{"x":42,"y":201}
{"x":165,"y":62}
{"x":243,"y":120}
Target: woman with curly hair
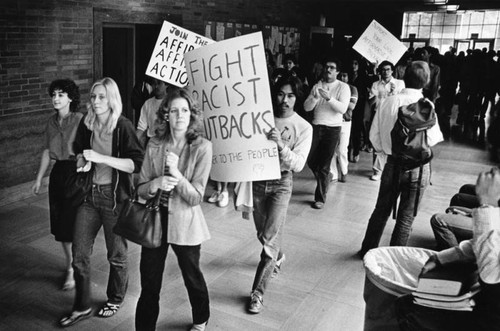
{"x":177,"y":162}
{"x":107,"y":147}
{"x":59,"y":135}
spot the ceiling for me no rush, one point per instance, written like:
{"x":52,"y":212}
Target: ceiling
{"x":423,"y":5}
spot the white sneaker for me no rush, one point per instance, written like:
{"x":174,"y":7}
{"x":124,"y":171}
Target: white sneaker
{"x":223,"y":199}
{"x":214,"y":197}
{"x":375,"y":177}
{"x":277,"y":266}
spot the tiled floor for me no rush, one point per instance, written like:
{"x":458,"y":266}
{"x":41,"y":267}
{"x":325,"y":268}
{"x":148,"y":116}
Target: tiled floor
{"x":320,"y":287}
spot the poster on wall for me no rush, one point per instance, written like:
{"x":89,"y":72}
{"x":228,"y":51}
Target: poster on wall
{"x":377,"y":44}
{"x":229,"y":80}
{"x":167,"y":61}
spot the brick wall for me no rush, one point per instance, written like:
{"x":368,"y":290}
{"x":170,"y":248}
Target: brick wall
{"x":44,"y":40}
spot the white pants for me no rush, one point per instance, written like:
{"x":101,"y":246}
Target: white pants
{"x":379,"y":162}
{"x":341,"y":152}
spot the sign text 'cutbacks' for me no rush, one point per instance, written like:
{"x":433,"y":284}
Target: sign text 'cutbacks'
{"x":167,"y":61}
{"x":229,"y":80}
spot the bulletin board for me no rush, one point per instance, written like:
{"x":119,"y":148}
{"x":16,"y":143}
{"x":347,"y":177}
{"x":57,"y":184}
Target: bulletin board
{"x":279,"y":39}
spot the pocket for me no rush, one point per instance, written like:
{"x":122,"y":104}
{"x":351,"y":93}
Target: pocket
{"x":107,"y":193}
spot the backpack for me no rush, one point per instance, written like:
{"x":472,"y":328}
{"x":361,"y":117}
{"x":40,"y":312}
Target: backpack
{"x":409,"y":141}
{"x":409,"y":135}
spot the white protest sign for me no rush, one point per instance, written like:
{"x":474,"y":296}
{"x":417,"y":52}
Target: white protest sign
{"x":377,"y":44}
{"x":229,"y":80}
{"x":167,"y":60}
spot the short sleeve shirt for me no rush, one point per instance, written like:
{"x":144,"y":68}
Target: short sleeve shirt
{"x":59,"y":137}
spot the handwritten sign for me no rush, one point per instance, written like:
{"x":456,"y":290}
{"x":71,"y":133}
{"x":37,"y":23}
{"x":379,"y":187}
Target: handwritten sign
{"x":229,"y":80}
{"x":377,"y":44}
{"x":167,"y":60}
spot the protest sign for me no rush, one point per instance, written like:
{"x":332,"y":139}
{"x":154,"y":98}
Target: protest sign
{"x":377,"y":44}
{"x":167,"y":60}
{"x":229,"y":80}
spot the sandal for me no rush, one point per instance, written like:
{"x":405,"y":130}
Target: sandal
{"x":74,"y":317}
{"x":69,"y":283}
{"x":108,"y":310}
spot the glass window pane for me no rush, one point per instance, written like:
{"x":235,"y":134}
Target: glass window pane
{"x":477,"y":17}
{"x":425,"y":19}
{"x":424,"y":32}
{"x":437,"y":19}
{"x":475,"y":29}
{"x":446,"y":44}
{"x":490,"y":17}
{"x":449,"y":31}
{"x":462,"y":32}
{"x":465,"y":19}
{"x":413,"y":19}
{"x":413,"y":29}
{"x":488,"y":31}
{"x":450,"y":19}
{"x":437,"y":32}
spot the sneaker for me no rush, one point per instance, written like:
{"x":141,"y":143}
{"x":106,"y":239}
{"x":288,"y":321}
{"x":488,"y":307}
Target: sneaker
{"x":255,"y":305}
{"x":277,"y":266}
{"x":214,"y":197}
{"x":199,"y":327}
{"x":69,"y":283}
{"x":317,"y":205}
{"x":355,"y":159}
{"x":223,"y":199}
{"x":375,"y":177}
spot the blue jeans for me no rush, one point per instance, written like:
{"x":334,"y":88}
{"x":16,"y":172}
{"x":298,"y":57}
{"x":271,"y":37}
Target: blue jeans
{"x":151,"y":268}
{"x":450,"y":229}
{"x":97,"y":211}
{"x":324,"y":143}
{"x":390,"y":189}
{"x":270,"y":200}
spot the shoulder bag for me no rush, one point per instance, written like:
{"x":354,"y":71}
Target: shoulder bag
{"x":141,"y":222}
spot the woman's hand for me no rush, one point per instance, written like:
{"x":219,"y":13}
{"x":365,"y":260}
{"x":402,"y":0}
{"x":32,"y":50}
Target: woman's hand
{"x":93,"y":156}
{"x":165,"y":183}
{"x":275,"y":135}
{"x":172,"y":161}
{"x":36,"y":187}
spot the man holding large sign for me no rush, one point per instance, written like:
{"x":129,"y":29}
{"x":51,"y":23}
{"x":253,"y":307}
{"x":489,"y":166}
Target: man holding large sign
{"x":229,"y":80}
{"x":167,"y":61}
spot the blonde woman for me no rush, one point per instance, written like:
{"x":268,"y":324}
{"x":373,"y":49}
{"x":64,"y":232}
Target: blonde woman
{"x":107,"y":146}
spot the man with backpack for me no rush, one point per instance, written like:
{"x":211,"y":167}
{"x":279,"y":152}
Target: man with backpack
{"x":404,"y":129}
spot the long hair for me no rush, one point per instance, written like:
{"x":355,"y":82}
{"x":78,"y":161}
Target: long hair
{"x":297,"y":89}
{"x":195,"y":121}
{"x":115,"y":105}
{"x":67,"y":86}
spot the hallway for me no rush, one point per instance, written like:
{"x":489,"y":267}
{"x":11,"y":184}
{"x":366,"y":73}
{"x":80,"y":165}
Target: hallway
{"x":320,"y":286}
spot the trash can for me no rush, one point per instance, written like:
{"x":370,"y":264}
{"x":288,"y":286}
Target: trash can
{"x":390,"y":273}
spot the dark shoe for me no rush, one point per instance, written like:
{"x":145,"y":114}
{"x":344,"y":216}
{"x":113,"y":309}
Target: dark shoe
{"x":318,"y":205}
{"x":108,"y":310}
{"x":255,"y":305}
{"x":361,"y":253}
{"x":277,"y":266}
{"x":343,"y":178}
{"x":75,"y":317}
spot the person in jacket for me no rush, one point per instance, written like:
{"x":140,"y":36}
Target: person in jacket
{"x":59,"y":134}
{"x":107,"y":147}
{"x":484,"y":250}
{"x":177,"y":162}
{"x":293,"y":137}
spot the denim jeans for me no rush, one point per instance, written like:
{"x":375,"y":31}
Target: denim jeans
{"x":450,"y":229}
{"x":97,"y":211}
{"x":341,"y":155}
{"x":151,"y":268}
{"x":270,"y":200}
{"x":390,"y":190}
{"x":324,"y":143}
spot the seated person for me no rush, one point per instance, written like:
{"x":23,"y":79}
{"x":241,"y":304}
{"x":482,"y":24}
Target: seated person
{"x":484,"y":249}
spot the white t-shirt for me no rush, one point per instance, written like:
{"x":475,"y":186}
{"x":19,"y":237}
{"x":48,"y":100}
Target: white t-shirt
{"x":148,"y":116}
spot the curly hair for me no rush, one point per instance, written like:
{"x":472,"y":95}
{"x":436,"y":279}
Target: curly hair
{"x":196,"y":118}
{"x":115,"y":104}
{"x":67,"y":86}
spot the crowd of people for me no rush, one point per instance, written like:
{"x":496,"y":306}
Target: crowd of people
{"x":323,"y":121}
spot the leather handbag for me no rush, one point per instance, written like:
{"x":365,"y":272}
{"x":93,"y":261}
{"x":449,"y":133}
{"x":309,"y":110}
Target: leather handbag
{"x":141,"y":222}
